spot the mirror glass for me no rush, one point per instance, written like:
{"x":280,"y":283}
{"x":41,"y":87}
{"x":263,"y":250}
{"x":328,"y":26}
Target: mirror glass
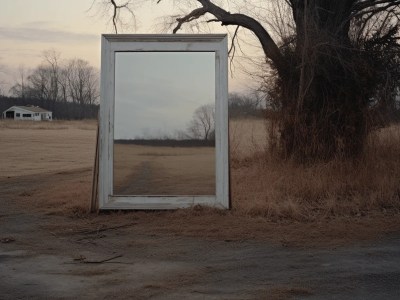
{"x":164,"y":136}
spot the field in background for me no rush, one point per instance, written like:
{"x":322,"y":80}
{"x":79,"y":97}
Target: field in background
{"x":262,"y":186}
{"x":29,"y":148}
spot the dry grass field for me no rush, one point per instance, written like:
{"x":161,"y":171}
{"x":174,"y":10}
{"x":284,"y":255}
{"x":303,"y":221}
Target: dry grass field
{"x":157,"y":170}
{"x":262,"y":185}
{"x":60,"y":156}
{"x":29,"y":148}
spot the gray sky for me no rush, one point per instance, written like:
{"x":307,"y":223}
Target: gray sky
{"x":74,"y":27}
{"x":156,"y":93}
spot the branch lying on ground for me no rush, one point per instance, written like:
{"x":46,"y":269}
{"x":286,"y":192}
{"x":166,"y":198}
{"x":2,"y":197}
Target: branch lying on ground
{"x":96,"y":231}
{"x":101,"y":261}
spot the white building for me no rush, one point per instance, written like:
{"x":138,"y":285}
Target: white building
{"x":32,"y":113}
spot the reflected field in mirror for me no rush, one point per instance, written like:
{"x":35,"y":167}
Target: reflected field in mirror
{"x":164,"y":127}
{"x":150,"y":170}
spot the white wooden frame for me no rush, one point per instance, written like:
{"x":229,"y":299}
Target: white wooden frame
{"x":110,"y":44}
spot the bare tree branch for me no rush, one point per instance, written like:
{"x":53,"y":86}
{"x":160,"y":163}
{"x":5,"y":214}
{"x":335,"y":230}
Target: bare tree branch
{"x":119,"y":13}
{"x":233,"y":42}
{"x":374,"y":9}
{"x":270,"y":48}
{"x":233,"y":47}
{"x":116,"y":11}
{"x":195,"y":14}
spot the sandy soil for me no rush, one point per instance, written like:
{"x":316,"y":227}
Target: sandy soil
{"x":51,"y":248}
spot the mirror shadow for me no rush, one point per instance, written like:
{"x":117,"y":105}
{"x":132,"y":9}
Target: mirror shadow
{"x":164,"y":126}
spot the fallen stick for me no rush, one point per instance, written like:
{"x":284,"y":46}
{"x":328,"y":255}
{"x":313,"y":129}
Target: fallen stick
{"x":105,"y":229}
{"x":100,"y":261}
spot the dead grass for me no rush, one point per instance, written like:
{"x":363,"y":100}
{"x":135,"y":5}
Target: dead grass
{"x":65,"y":193}
{"x":261,"y":185}
{"x":64,"y":196}
{"x":29,"y":148}
{"x":333,"y":202}
{"x":247,"y":137}
{"x":265,"y":186}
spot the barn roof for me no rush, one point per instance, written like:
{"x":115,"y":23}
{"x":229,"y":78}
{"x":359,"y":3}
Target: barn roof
{"x":35,"y":109}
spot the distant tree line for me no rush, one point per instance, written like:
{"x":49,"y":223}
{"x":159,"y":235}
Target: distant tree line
{"x":247,"y":105}
{"x":68,"y":88}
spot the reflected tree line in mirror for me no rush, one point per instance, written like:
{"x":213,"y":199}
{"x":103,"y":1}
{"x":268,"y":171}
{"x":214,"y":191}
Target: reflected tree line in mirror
{"x":200,"y":131}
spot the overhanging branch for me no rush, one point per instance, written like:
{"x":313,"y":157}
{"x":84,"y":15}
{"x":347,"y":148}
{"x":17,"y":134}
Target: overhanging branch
{"x":116,"y":10}
{"x":195,"y":14}
{"x":270,"y":48}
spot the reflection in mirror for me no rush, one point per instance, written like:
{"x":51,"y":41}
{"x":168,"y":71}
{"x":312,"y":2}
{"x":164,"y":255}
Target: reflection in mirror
{"x":164,"y":134}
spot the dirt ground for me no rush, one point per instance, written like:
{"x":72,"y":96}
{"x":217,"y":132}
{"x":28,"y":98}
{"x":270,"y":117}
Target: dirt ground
{"x":52,"y":248}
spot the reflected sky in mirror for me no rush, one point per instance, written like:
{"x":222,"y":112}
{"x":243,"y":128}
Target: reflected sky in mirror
{"x":157,"y":93}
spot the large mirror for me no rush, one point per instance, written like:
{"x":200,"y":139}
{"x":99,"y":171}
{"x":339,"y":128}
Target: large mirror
{"x":163,"y":122}
{"x":164,"y":128}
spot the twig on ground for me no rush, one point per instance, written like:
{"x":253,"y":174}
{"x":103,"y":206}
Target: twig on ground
{"x":100,"y":261}
{"x":97,"y":231}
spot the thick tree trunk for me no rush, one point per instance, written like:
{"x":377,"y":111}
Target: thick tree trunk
{"x":328,"y":123}
{"x":323,"y":108}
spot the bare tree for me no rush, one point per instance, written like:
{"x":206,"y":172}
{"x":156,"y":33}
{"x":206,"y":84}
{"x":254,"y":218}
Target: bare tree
{"x":328,"y":60}
{"x":40,"y":84}
{"x":58,"y":81}
{"x":2,"y":82}
{"x":63,"y":84}
{"x":52,"y":59}
{"x":202,"y":125}
{"x":43,"y":82}
{"x":82,"y":82}
{"x":1,"y":89}
{"x":20,"y":89}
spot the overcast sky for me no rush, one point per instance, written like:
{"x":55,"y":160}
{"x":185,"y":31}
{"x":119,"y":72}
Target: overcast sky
{"x":156,"y":93}
{"x":29,"y":27}
{"x":73,"y":27}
